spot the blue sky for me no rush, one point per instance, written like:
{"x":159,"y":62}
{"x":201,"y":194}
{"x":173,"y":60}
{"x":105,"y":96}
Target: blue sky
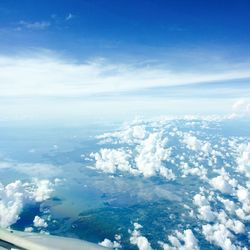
{"x":114,"y":28}
{"x":106,"y":27}
{"x":122,"y":52}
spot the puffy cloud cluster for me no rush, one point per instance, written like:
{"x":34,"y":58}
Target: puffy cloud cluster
{"x":228,"y":204}
{"x":15,"y":195}
{"x":111,"y":244}
{"x":243,"y":195}
{"x":111,"y":160}
{"x":224,"y":183}
{"x":221,"y":236}
{"x":204,"y":208}
{"x":230,"y":186}
{"x":221,"y":223}
{"x":181,"y":241}
{"x":42,"y":190}
{"x":151,"y":153}
{"x":192,"y":142}
{"x":195,"y":144}
{"x":148,"y":155}
{"x":39,"y":222}
{"x":235,"y":226}
{"x":130,"y":134}
{"x":193,"y":170}
{"x":137,"y":239}
{"x":243,"y":159}
{"x":176,"y":149}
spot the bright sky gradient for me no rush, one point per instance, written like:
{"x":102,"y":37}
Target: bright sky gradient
{"x":81,"y":58}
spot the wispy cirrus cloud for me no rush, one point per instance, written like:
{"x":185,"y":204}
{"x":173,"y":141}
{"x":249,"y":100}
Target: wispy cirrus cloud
{"x":38,"y":25}
{"x":45,"y":74}
{"x":69,"y":17}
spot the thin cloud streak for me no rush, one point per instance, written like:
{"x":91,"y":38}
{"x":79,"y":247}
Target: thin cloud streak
{"x":47,"y":75}
{"x":69,"y":17}
{"x":34,"y":25}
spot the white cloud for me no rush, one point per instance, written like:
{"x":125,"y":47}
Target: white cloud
{"x":69,"y":17}
{"x":42,"y":190}
{"x":181,"y":241}
{"x":195,"y":144}
{"x":217,"y":213}
{"x":228,"y":204}
{"x":148,"y":154}
{"x":221,"y":236}
{"x":198,"y":170}
{"x":240,"y":108}
{"x":224,"y":228}
{"x":34,"y":25}
{"x":134,"y":133}
{"x":235,"y":226}
{"x":15,"y":195}
{"x":151,"y":153}
{"x":192,"y":142}
{"x":206,"y":213}
{"x":39,"y":222}
{"x":221,"y":184}
{"x":40,"y":170}
{"x":108,"y":243}
{"x":241,"y":105}
{"x":111,"y":160}
{"x":44,"y":74}
{"x":137,"y":239}
{"x":28,"y":229}
{"x":243,"y":196}
{"x":204,"y":209}
{"x":243,"y":159}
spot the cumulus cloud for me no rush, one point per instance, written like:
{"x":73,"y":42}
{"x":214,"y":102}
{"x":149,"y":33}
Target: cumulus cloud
{"x":42,"y":190}
{"x":148,"y":154}
{"x":221,"y":222}
{"x":181,"y":241}
{"x":151,"y":153}
{"x":243,"y":195}
{"x":228,"y":204}
{"x":39,"y":222}
{"x":235,"y":226}
{"x":193,"y":170}
{"x":222,"y":206}
{"x":243,"y":158}
{"x":108,"y":243}
{"x":195,"y":144}
{"x":204,"y":208}
{"x":14,"y":196}
{"x":222,"y":184}
{"x":111,"y":160}
{"x":137,"y":239}
{"x":131,"y":134}
{"x":221,"y":236}
{"x":29,"y":229}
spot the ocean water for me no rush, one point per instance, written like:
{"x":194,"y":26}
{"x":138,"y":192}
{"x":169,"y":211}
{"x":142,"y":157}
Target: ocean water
{"x":166,"y":182}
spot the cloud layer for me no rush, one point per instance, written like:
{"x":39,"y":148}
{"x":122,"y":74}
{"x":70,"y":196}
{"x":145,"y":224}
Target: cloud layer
{"x":46,"y":74}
